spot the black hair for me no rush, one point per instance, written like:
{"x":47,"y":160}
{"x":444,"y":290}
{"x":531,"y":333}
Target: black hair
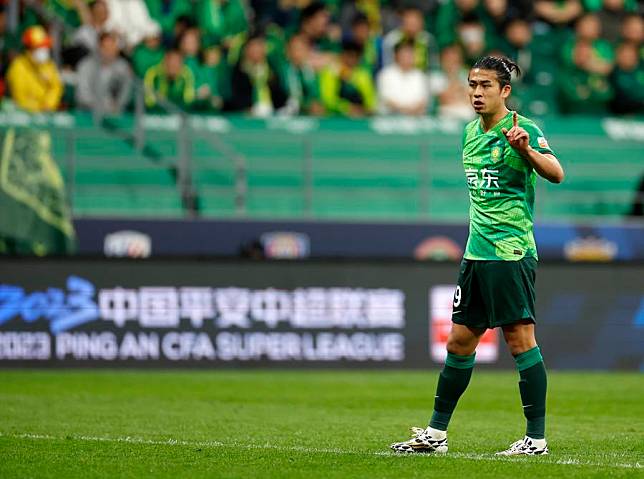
{"x":503,"y":67}
{"x":359,"y":19}
{"x":351,"y":46}
{"x":407,"y":42}
{"x":311,"y":10}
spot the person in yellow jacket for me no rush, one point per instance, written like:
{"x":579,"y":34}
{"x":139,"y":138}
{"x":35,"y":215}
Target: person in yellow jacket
{"x":32,"y":77}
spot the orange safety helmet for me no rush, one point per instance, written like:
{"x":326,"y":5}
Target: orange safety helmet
{"x":36,"y":37}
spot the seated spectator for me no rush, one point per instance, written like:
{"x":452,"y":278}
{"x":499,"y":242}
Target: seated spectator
{"x":255,"y":86}
{"x":582,"y":86}
{"x":131,"y":20}
{"x":170,"y":80}
{"x":627,"y":80}
{"x":371,"y":43}
{"x":471,"y":36}
{"x":314,"y":28}
{"x":449,"y":14}
{"x":517,"y":45}
{"x":449,"y":85}
{"x":496,"y":14}
{"x":207,"y":93}
{"x":588,"y":31}
{"x":222,"y":22}
{"x":403,"y":88}
{"x":167,"y":12}
{"x":94,"y":18}
{"x":558,"y":12}
{"x":33,"y":78}
{"x":345,"y":87}
{"x":611,"y":16}
{"x":412,"y":28}
{"x":104,"y":78}
{"x":632,"y":31}
{"x":301,"y":79}
{"x":148,"y":53}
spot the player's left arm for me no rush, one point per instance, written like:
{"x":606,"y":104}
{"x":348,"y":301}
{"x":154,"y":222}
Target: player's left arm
{"x":545,"y":164}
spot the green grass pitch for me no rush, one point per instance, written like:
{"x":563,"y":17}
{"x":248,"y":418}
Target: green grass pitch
{"x":308,"y":424}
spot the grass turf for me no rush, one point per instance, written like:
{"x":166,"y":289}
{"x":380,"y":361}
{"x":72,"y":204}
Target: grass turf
{"x":305,"y":424}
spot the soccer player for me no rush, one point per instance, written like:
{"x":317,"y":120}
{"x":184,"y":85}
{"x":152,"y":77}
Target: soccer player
{"x":502,"y":153}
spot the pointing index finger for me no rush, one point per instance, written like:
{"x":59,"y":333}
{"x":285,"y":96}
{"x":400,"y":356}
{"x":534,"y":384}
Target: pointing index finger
{"x":514,"y":119}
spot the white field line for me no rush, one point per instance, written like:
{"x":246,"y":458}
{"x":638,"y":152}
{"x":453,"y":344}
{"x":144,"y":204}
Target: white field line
{"x":310,"y":450}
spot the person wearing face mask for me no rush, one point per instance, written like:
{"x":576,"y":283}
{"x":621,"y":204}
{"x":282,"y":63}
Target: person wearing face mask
{"x":33,"y":78}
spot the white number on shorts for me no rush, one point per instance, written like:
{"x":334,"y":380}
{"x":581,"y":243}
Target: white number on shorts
{"x":457,"y":296}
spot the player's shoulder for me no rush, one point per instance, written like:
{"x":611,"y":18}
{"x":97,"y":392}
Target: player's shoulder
{"x":470,"y":128}
{"x":527,"y":123}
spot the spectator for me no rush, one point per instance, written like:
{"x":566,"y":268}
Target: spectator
{"x":255,"y":86}
{"x":450,"y":85}
{"x":314,"y":27}
{"x":517,"y":45}
{"x":627,"y":80}
{"x":611,"y":17}
{"x":167,"y":12}
{"x":471,"y":36}
{"x":104,"y":78}
{"x":558,"y":13}
{"x":148,"y":53}
{"x":222,"y":22}
{"x":345,"y":87}
{"x":33,"y":78}
{"x":94,"y":19}
{"x":588,"y":30}
{"x":371,"y":43}
{"x":301,"y":79}
{"x":496,"y":15}
{"x":582,"y":86}
{"x":633,"y":31}
{"x":131,"y":20}
{"x":403,"y":88}
{"x":449,"y":14}
{"x":170,"y":80}
{"x":412,"y":28}
{"x":190,"y":46}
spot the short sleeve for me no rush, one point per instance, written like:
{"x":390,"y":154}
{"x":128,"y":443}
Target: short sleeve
{"x":538,"y":140}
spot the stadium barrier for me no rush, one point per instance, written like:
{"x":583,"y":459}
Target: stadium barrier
{"x":183,"y":313}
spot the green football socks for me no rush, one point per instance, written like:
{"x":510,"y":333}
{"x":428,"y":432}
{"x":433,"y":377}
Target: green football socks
{"x":452,"y":382}
{"x":532,"y":386}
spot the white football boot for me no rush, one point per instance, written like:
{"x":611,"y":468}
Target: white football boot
{"x":526,"y":447}
{"x":423,"y":440}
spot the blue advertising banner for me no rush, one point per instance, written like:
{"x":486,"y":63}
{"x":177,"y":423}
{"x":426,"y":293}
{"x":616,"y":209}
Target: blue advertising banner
{"x":296,"y":314}
{"x":322,"y":239}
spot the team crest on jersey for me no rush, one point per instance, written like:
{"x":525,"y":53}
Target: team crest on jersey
{"x":543,"y":143}
{"x":496,"y":152}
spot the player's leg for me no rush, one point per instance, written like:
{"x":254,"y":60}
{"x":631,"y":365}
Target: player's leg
{"x":452,"y":382}
{"x":469,"y":324}
{"x":456,"y":373}
{"x":511,"y":296}
{"x":533,"y":385}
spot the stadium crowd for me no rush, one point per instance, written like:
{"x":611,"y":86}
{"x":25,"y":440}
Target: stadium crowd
{"x":336,"y":57}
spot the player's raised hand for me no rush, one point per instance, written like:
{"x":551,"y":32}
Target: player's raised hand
{"x":518,"y":138}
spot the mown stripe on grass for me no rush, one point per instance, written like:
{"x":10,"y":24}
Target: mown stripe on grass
{"x":309,"y":450}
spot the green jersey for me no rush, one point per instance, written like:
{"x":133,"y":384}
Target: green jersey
{"x":501,"y":186}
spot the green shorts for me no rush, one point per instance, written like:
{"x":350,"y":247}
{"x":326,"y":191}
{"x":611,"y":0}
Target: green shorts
{"x":494,"y":293}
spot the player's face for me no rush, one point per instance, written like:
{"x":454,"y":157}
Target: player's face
{"x":486,"y":94}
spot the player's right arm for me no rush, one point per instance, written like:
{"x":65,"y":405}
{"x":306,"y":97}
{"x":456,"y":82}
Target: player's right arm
{"x":545,"y":164}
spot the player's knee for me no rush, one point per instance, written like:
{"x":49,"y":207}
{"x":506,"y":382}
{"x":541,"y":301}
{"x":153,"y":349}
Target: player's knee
{"x":520,"y":345}
{"x":456,"y":345}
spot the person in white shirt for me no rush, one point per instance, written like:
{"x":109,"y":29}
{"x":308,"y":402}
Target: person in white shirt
{"x":403,"y":88}
{"x":131,"y":20}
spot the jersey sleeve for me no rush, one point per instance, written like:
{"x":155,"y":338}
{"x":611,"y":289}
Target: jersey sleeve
{"x":538,"y":140}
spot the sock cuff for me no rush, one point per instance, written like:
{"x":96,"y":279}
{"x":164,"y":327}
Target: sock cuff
{"x":528,"y":358}
{"x":460,"y":362}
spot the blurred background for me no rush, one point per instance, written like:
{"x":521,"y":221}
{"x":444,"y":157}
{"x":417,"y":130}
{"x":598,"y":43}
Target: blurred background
{"x":284,"y":177}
